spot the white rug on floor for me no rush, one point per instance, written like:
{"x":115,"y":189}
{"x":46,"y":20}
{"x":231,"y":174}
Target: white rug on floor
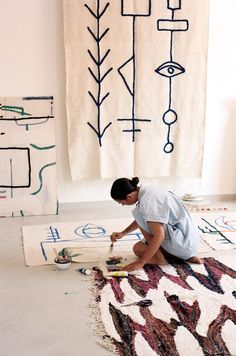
{"x":90,"y":239}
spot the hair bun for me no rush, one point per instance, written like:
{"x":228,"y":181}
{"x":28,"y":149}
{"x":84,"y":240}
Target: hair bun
{"x":135,"y":181}
{"x":122,"y":187}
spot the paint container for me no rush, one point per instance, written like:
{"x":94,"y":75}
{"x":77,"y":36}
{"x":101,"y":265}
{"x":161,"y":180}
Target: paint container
{"x":117,"y":274}
{"x":111,"y":268}
{"x":113,"y":260}
{"x":192,"y":197}
{"x":84,"y":271}
{"x":62,"y":264}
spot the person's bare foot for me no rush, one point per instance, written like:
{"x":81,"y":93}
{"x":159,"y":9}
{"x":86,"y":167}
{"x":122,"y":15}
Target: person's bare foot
{"x":195,"y":259}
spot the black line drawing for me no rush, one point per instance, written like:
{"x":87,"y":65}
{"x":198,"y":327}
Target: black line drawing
{"x":170,"y":69}
{"x":98,"y":59}
{"x":139,"y":12}
{"x":9,"y":177}
{"x":11,"y":152}
{"x":37,"y":98}
{"x":20,"y":166}
{"x":211,"y":229}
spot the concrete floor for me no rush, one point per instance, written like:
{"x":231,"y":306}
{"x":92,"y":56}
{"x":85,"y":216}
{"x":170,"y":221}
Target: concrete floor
{"x":36,"y":316}
{"x":45,"y":311}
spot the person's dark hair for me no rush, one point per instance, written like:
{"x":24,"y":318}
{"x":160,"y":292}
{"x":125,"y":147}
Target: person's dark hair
{"x":122,"y":187}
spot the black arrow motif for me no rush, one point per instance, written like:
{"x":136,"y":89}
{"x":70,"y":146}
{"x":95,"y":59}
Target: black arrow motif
{"x":98,"y":59}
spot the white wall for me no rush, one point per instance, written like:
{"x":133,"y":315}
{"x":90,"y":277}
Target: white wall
{"x":32,"y":63}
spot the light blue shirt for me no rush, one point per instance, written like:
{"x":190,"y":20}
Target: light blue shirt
{"x":182,"y":237}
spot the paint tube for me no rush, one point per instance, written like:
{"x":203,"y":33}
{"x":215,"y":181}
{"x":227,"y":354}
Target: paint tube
{"x":125,"y":273}
{"x":84,"y":271}
{"x":117,"y":274}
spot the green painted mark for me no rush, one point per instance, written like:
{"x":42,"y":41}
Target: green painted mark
{"x":42,"y":148}
{"x":40,"y":177}
{"x":17,"y":109}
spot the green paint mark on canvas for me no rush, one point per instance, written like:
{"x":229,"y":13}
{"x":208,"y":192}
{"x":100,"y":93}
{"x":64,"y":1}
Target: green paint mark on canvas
{"x":17,"y":109}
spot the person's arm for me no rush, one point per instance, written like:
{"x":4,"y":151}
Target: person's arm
{"x":158,"y":235}
{"x":118,"y":235}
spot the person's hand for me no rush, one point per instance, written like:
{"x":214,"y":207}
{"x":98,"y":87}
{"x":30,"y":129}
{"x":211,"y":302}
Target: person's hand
{"x":116,"y":236}
{"x":133,"y":266}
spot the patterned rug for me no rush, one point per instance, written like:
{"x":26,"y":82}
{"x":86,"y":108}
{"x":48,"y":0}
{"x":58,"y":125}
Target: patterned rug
{"x":193,"y":310}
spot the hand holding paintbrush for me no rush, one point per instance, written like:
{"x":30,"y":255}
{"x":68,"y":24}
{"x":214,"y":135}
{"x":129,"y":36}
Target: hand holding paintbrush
{"x":115,"y":236}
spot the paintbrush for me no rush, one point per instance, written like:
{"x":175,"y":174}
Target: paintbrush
{"x":112,"y":243}
{"x":111,"y":247}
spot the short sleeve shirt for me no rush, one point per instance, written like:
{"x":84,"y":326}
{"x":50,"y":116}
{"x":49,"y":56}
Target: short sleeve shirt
{"x":181,"y":233}
{"x":161,"y":206}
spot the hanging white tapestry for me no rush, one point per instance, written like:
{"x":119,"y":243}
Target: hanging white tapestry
{"x":27,"y":156}
{"x":136,"y":79}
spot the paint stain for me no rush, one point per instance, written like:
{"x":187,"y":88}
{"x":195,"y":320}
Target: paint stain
{"x":73,"y":292}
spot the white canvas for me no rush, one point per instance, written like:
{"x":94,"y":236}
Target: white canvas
{"x":218,"y":230}
{"x":88,"y":239}
{"x":136,"y":79}
{"x":27,"y":156}
{"x":91,"y":239}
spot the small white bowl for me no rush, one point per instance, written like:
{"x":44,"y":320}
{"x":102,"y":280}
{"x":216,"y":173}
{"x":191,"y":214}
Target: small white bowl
{"x":62,"y":264}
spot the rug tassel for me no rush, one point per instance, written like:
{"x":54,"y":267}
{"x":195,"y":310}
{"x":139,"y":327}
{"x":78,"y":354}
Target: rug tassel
{"x":96,"y":325}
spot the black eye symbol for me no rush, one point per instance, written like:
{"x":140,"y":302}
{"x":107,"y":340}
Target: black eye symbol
{"x":170,"y":69}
